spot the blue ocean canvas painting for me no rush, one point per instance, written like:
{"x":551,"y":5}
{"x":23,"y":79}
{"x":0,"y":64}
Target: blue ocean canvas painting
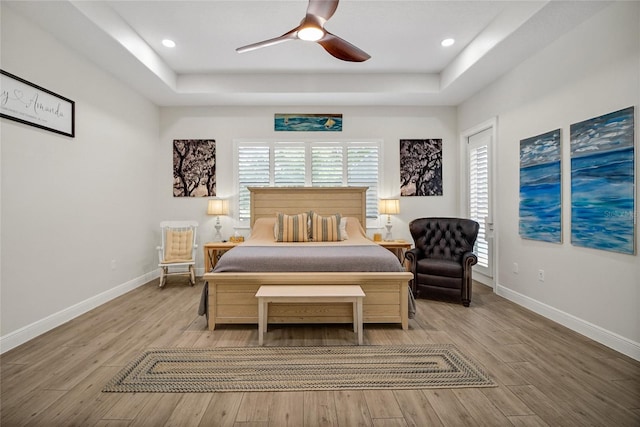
{"x":602,"y":182}
{"x":541,"y":188}
{"x":308,"y":122}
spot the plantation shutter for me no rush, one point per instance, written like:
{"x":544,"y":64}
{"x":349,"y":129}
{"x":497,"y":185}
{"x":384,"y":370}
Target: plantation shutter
{"x":319,"y":164}
{"x":479,"y":198}
{"x":289,"y":166}
{"x":327,"y":169}
{"x":253,"y":171}
{"x":362,"y":171}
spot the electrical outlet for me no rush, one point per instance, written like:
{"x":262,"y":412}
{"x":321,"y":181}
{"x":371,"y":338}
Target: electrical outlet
{"x":515,"y":268}
{"x":541,"y":275}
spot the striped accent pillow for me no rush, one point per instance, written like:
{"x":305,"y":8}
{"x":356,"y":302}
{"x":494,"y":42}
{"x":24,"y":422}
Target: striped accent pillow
{"x":325,"y":228}
{"x":292,"y":228}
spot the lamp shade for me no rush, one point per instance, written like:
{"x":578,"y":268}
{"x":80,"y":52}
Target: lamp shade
{"x":389,"y":206}
{"x":218,"y":207}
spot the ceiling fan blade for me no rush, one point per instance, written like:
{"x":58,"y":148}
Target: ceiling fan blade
{"x":318,"y":12}
{"x":291,"y":35}
{"x":322,"y":8}
{"x":342,"y":49}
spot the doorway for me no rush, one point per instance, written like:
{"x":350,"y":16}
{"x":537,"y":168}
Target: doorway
{"x":479,"y":143}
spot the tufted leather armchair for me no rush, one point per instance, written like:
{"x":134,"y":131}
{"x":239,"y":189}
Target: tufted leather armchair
{"x":443,"y":256}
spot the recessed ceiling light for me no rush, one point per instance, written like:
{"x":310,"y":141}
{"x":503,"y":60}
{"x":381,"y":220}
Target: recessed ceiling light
{"x":447,"y":42}
{"x":168,"y":43}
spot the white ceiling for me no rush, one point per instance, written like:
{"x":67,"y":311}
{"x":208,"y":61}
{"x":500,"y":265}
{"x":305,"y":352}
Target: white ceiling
{"x":407,"y":66}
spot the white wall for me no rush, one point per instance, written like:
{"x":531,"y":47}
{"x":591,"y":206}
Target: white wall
{"x":389,"y":124}
{"x":71,"y":206}
{"x":593,"y":70}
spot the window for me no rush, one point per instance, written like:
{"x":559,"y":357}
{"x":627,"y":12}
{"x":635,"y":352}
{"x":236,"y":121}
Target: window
{"x":479,"y":198}
{"x":315,"y":164}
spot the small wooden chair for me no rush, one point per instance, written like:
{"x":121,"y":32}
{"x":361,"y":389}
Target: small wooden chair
{"x":178,"y":249}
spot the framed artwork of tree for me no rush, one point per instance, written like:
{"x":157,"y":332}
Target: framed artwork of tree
{"x":421,"y":167}
{"x":194,"y":167}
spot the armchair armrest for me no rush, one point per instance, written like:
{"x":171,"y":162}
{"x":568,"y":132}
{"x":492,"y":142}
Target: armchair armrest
{"x":413,"y":255}
{"x":469,"y":259}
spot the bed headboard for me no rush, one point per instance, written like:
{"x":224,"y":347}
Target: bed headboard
{"x":347,"y":201}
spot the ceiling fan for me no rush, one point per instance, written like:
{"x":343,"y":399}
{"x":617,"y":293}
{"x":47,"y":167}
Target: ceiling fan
{"x":311,"y":28}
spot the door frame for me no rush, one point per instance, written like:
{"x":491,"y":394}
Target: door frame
{"x":492,"y":125}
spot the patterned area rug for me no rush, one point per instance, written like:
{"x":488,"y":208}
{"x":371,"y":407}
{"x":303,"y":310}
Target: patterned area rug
{"x":186,"y":370}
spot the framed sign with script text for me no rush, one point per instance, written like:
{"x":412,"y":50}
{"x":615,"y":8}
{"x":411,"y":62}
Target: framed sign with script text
{"x":33,"y":105}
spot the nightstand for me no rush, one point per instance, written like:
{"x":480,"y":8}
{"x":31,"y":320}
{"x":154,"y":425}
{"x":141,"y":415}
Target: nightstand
{"x":213,"y":251}
{"x":398,"y":247}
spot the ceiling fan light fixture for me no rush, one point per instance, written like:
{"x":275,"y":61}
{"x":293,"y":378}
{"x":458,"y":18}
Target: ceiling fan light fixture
{"x":447,"y":42}
{"x":168,"y":43}
{"x":310,"y":34}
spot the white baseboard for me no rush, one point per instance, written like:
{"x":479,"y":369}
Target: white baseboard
{"x":24,"y":334}
{"x":596,"y":333}
{"x":485,"y":280}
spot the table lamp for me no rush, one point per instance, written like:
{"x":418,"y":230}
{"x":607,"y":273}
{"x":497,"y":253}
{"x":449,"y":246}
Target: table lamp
{"x":389,"y":207}
{"x":218,"y":207}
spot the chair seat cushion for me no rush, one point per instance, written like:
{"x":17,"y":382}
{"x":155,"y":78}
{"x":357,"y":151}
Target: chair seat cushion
{"x":179,"y":245}
{"x":439,"y":267}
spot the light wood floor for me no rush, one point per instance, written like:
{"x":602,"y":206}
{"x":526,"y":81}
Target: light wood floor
{"x":547,"y":374}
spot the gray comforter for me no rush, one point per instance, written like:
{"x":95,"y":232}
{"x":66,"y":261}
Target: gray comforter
{"x":248,"y":259}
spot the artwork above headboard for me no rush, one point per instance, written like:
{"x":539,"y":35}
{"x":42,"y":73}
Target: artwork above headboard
{"x":347,"y":201}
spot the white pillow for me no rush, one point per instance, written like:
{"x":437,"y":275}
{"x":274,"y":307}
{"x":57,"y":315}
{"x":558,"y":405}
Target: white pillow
{"x":343,"y":228}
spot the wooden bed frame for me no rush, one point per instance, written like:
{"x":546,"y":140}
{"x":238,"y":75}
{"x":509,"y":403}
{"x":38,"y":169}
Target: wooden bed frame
{"x":232,"y":295}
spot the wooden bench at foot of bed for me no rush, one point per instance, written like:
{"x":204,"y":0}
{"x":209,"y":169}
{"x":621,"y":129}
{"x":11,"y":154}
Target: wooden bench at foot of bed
{"x":232,"y":298}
